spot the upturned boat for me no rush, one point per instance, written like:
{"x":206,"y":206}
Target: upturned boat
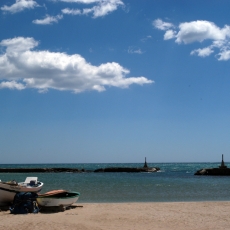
{"x":57,"y":198}
{"x":10,"y":188}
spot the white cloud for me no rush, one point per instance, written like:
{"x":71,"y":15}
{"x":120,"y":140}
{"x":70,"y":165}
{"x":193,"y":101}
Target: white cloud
{"x":146,"y":38}
{"x":11,"y":85}
{"x":159,"y":24}
{"x":98,"y":8}
{"x":198,"y":31}
{"x":169,"y":34}
{"x":48,"y":20}
{"x":102,"y":7}
{"x":71,"y":11}
{"x":20,"y":5}
{"x":202,"y":52}
{"x":81,"y":1}
{"x":224,"y":55}
{"x":133,"y":50}
{"x":106,"y":7}
{"x":18,"y":45}
{"x":22,"y":67}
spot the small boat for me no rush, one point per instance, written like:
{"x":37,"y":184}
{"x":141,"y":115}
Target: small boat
{"x":10,"y":188}
{"x":57,"y":198}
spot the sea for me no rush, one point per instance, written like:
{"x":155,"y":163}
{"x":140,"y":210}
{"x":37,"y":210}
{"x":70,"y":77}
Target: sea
{"x":175,"y":182}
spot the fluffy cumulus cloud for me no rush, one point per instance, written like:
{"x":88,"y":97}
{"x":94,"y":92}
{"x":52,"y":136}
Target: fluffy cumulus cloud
{"x":159,"y":24}
{"x":20,"y":5}
{"x":12,"y":85}
{"x":100,"y":9}
{"x":48,"y":20}
{"x":198,"y":31}
{"x":94,"y":8}
{"x":169,"y":34}
{"x":71,"y":11}
{"x":202,"y":52}
{"x":23,"y":67}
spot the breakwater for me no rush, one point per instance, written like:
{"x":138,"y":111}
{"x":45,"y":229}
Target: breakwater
{"x":213,"y":172}
{"x":222,"y":170}
{"x":145,"y":168}
{"x":75,"y":170}
{"x":40,"y":170}
{"x":120,"y":169}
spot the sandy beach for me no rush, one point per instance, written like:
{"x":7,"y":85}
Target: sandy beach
{"x":164,"y":216}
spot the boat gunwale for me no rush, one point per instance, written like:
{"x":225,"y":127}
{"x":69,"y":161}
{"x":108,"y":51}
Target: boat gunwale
{"x":55,"y":196}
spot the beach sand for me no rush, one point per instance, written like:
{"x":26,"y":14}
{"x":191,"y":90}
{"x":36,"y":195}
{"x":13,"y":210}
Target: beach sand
{"x":141,"y":216}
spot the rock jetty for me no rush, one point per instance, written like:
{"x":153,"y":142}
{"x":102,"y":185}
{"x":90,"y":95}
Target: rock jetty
{"x":40,"y":170}
{"x":118,"y":169}
{"x":145,"y":168}
{"x":222,"y":170}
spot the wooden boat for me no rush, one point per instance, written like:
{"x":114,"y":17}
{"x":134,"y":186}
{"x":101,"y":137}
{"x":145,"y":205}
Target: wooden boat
{"x":57,"y":198}
{"x":10,"y":188}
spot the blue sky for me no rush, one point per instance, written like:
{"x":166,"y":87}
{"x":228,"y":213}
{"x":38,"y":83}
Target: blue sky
{"x":90,"y":81}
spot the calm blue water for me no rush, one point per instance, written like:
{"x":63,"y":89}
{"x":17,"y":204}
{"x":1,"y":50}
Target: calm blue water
{"x":174,"y":182}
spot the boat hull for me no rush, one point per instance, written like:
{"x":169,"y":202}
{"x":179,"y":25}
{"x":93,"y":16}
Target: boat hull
{"x":8,"y":191}
{"x":58,"y":200}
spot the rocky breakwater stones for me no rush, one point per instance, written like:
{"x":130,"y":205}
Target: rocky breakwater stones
{"x":222,"y":170}
{"x":131,"y":170}
{"x":41,"y":170}
{"x":213,"y":172}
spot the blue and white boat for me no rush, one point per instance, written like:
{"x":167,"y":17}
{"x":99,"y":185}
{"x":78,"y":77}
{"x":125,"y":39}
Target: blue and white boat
{"x":10,"y":188}
{"x":56,"y":198}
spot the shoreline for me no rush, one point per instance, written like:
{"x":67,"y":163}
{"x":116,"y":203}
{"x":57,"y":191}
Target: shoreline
{"x":146,"y":215}
{"x":153,"y":202}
